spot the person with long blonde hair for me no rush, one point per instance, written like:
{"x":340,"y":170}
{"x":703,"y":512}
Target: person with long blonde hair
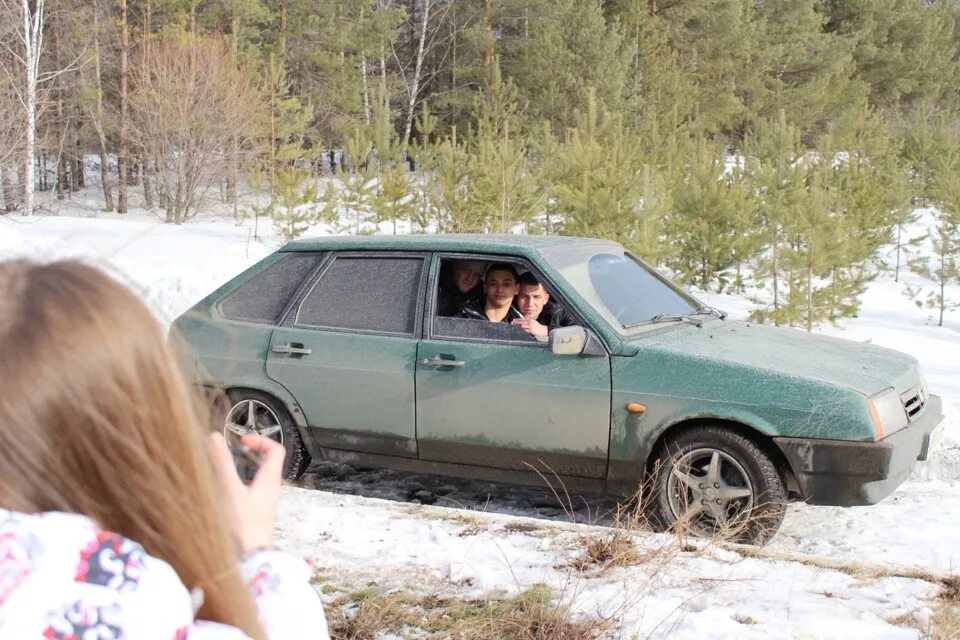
{"x":120,"y":515}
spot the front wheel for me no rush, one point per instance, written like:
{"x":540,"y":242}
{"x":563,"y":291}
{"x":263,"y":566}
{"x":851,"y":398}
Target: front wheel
{"x":716,"y":483}
{"x":251,"y":411}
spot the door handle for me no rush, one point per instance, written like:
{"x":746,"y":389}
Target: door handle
{"x":290,"y":350}
{"x":437,"y":361}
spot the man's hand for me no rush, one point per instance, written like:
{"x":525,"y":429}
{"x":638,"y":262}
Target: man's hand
{"x":532,"y":327}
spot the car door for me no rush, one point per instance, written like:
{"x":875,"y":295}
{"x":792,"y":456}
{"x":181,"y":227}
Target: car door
{"x":346,"y":351}
{"x":489,"y":395}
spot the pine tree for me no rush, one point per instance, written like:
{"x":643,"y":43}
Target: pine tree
{"x":922,"y":131}
{"x":572,"y":48}
{"x":660,"y":91}
{"x":717,"y":40}
{"x":945,"y":239}
{"x":360,"y":183}
{"x":599,"y":181}
{"x":394,"y":198}
{"x":448,"y":195}
{"x":775,"y":173}
{"x":804,"y":71}
{"x":905,"y":50}
{"x":871,"y":182}
{"x":293,"y":207}
{"x":501,"y":179}
{"x":709,"y":219}
{"x":289,"y":119}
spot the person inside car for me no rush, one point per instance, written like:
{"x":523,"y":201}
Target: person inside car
{"x":459,"y":287}
{"x":500,"y":288}
{"x":540,"y":313}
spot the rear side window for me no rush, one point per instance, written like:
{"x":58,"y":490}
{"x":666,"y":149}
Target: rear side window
{"x":263,"y":297}
{"x":365,"y":294}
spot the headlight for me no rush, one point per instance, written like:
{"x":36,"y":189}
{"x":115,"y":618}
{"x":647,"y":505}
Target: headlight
{"x":887,"y":411}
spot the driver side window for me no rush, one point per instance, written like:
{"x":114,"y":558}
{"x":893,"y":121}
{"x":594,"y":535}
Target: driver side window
{"x":476,"y":300}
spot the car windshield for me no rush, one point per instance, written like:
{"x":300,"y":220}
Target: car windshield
{"x":627,"y":293}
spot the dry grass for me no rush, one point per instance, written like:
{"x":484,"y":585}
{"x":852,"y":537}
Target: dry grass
{"x":950,"y":589}
{"x":533,"y":615}
{"x":945,"y":623}
{"x":363,"y":614}
{"x":605,"y":551}
{"x":521,"y":527}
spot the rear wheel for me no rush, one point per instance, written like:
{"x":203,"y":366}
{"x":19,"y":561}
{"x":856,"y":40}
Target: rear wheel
{"x":716,"y":483}
{"x":251,"y":411}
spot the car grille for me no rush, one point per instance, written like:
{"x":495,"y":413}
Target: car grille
{"x":913,"y":402}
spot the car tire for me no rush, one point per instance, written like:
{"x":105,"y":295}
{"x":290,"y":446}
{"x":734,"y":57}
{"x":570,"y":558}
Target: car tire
{"x":716,"y":483}
{"x":269,"y":418}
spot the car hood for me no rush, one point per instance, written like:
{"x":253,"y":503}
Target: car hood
{"x":860,"y":366}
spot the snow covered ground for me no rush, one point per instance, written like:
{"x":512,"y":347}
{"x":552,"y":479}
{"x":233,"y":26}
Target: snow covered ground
{"x":830,"y":572}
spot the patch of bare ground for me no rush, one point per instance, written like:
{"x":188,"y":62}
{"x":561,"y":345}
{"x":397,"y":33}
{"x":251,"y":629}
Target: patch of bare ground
{"x":535,"y":614}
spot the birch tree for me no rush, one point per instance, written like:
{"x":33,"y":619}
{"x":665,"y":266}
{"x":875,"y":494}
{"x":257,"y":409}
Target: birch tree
{"x":24,"y":51}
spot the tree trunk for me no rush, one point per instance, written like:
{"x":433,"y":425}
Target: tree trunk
{"x":122,"y":205}
{"x":418,"y":67}
{"x":896,"y":271}
{"x":77,"y":174}
{"x":98,"y":118}
{"x":33,"y":43}
{"x":63,"y":178}
{"x":147,"y":185}
{"x":776,"y":280}
{"x":9,"y":201}
{"x":234,"y":168}
{"x":363,"y":79}
{"x":488,"y":32}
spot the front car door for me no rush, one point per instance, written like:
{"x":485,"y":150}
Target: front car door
{"x":506,"y":402}
{"x":346,"y":351}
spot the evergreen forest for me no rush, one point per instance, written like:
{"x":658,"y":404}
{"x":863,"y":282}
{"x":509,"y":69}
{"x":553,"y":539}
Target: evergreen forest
{"x":770,"y":146}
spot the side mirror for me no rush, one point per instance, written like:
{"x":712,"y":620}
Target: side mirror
{"x":568,"y":341}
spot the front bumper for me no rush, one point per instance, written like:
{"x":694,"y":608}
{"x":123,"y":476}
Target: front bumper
{"x":846,"y":474}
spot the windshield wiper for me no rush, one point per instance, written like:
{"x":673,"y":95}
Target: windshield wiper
{"x":667,"y":317}
{"x":707,"y":309}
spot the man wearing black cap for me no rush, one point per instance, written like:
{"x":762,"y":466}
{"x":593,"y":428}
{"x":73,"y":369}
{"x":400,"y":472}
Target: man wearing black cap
{"x":460,"y":287}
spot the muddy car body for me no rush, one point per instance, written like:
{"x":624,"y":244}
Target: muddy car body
{"x":333,"y":346}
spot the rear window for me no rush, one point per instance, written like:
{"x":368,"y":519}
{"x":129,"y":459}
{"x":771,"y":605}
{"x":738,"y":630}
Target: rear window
{"x":263,"y":297}
{"x":373,"y":294}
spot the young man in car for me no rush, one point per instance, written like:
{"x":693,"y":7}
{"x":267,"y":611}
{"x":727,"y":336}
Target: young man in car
{"x":499,"y":289}
{"x":540,"y":313}
{"x":460,"y":287}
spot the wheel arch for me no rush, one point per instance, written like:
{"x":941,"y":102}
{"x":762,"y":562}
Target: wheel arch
{"x":275,"y":391}
{"x":298,"y":442}
{"x":761,"y":439}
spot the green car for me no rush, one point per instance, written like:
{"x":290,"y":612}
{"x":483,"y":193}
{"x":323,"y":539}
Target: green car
{"x":345,"y":349}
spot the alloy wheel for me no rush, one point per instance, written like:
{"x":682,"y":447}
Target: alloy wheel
{"x":252,"y":416}
{"x":710,"y":492}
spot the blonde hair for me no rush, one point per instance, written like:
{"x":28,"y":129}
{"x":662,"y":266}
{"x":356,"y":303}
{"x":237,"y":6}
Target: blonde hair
{"x":96,"y":419}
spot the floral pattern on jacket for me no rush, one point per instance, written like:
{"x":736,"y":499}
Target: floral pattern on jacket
{"x":64,"y":578}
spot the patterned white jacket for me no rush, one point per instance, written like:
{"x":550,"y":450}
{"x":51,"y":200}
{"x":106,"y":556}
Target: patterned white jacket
{"x":62,"y":577}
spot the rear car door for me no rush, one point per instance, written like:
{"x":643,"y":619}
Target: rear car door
{"x":505,"y":401}
{"x":346,"y":351}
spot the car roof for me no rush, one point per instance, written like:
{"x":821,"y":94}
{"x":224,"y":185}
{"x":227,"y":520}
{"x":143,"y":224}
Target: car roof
{"x":484,"y":243}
